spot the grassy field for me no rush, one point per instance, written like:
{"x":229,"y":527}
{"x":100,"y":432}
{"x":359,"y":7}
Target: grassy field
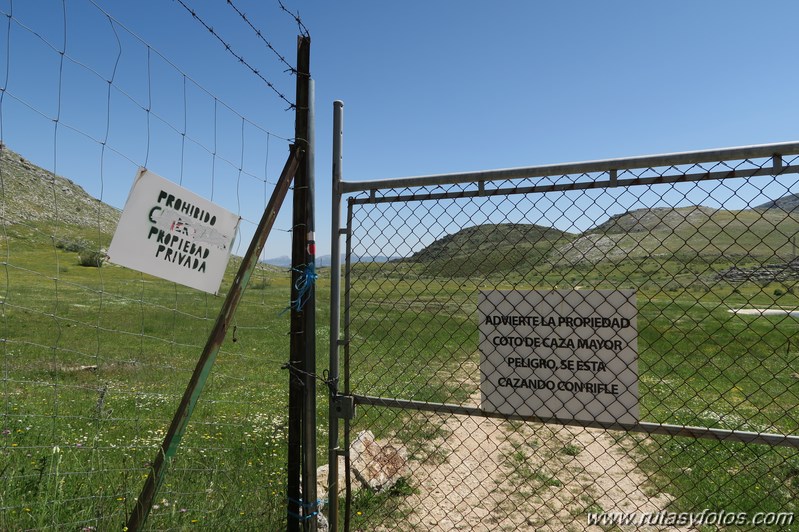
{"x":94,"y":362}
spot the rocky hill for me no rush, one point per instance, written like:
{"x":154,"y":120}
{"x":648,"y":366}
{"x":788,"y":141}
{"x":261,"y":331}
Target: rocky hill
{"x":655,"y":219}
{"x":762,"y":236}
{"x":787,"y":203}
{"x":30,"y":194}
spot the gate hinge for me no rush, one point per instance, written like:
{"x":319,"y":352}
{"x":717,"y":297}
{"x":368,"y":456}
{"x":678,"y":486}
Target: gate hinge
{"x":344,"y":406}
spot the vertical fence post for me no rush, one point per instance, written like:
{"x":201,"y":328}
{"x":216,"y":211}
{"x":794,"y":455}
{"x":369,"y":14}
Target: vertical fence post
{"x":301,"y":503}
{"x":335,"y":316}
{"x":346,"y":343}
{"x":309,"y":333}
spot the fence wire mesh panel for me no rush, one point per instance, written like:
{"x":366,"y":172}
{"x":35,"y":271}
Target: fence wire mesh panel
{"x":598,"y":346}
{"x":95,"y":358}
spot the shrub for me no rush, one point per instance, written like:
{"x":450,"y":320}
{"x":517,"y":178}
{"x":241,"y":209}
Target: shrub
{"x":72,"y":245}
{"x":260,"y":284}
{"x":91,"y":258}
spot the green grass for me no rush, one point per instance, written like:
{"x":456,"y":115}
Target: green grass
{"x":571,"y":449}
{"x":532,"y":479}
{"x":700,"y":365}
{"x":94,"y":363}
{"x":388,"y":503}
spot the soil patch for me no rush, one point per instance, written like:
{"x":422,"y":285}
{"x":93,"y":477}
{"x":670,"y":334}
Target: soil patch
{"x":498,"y":475}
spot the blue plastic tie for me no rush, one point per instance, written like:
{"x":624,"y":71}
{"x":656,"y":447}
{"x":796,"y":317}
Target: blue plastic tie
{"x":304,"y":506}
{"x":302,"y":517}
{"x":303,"y":285}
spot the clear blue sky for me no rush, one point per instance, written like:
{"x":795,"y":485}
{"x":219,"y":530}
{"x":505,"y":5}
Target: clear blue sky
{"x":429,"y":87}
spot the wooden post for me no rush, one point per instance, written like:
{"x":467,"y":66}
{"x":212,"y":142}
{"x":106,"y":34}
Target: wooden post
{"x":301,"y":500}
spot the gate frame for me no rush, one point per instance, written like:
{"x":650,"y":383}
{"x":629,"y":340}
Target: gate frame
{"x":776,"y":152}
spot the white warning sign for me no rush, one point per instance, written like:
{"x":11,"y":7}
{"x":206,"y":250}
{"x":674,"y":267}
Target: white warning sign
{"x":172,"y":233}
{"x":565,"y":354}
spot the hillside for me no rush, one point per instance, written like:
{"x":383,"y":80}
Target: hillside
{"x":29,"y":195}
{"x":655,"y":219}
{"x":787,"y":203}
{"x":760,"y":236}
{"x":489,"y":248}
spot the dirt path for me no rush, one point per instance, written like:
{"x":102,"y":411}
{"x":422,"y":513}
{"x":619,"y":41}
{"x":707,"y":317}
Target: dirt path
{"x":488,"y":475}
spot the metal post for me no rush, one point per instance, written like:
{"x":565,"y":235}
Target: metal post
{"x":309,"y":333}
{"x":627,"y":163}
{"x":335,"y":309}
{"x":347,"y":390}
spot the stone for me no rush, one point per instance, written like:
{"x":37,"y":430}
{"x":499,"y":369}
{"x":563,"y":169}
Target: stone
{"x":378,"y":465}
{"x":762,"y":274}
{"x":374,"y":464}
{"x":321,"y":523}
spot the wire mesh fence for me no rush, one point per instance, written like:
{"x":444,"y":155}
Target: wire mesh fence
{"x":576,"y":347}
{"x":95,"y":358}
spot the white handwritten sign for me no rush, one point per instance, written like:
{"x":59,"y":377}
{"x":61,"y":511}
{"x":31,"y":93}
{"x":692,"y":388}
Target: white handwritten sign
{"x":172,"y":233}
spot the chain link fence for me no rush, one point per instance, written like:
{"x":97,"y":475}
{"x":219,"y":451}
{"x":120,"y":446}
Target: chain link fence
{"x":576,"y":346}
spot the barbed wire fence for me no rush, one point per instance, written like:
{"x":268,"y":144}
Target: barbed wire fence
{"x":95,"y":358}
{"x":490,"y":393}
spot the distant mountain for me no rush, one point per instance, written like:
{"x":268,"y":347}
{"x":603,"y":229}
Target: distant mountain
{"x":283,"y":261}
{"x":324,"y":261}
{"x":33,"y":194}
{"x":789,"y":203}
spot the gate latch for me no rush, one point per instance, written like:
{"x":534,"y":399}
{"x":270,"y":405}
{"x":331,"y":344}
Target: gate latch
{"x":344,"y":407}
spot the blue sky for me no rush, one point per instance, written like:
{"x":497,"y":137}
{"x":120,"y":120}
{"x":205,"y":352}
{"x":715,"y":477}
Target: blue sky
{"x":429,"y":87}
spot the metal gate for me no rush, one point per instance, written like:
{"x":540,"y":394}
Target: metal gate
{"x":702,"y":245}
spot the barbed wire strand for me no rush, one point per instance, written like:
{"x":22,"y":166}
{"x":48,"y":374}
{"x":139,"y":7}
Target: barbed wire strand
{"x":303,"y":30}
{"x":260,"y":35}
{"x":240,"y":58}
